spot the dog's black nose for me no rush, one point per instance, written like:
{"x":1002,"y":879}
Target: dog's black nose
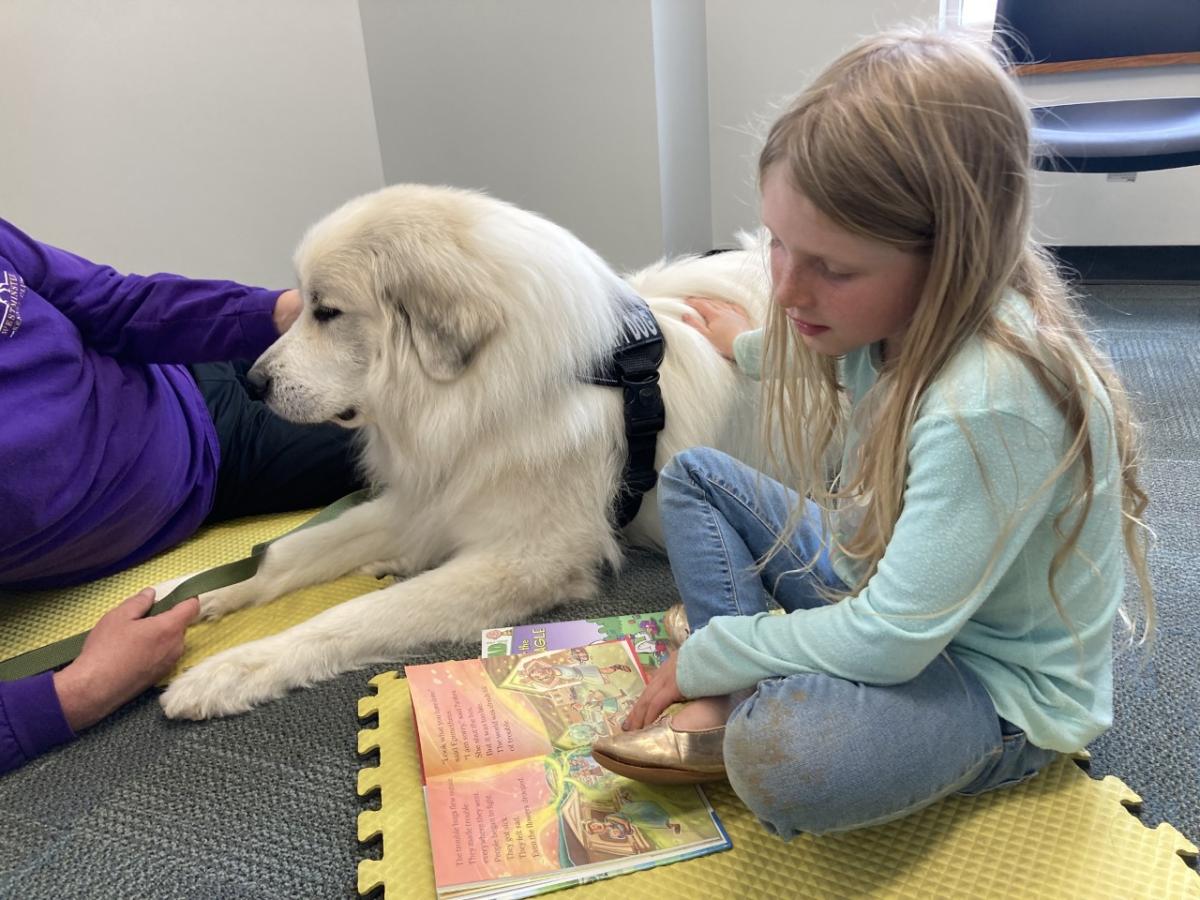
{"x":259,"y":383}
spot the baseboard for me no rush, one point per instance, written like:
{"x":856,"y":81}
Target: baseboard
{"x":1166,"y":263}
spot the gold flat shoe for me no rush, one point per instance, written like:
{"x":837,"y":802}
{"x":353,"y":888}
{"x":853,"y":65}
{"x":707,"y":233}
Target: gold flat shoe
{"x":676,"y":625}
{"x":658,"y":754}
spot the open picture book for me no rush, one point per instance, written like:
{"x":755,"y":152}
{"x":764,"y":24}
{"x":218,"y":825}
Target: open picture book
{"x":516,"y":804}
{"x":644,"y":629}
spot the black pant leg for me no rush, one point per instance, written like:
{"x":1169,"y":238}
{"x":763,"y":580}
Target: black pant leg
{"x":268,"y":464}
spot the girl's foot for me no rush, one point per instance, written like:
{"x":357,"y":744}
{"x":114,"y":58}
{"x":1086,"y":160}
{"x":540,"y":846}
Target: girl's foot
{"x":676,"y":625}
{"x":684,"y":748}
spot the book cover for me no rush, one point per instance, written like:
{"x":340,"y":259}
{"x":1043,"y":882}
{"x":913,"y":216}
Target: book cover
{"x":644,"y":629}
{"x":516,"y":804}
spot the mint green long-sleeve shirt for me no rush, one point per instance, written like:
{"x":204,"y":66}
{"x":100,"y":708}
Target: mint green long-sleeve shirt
{"x":941,"y":584}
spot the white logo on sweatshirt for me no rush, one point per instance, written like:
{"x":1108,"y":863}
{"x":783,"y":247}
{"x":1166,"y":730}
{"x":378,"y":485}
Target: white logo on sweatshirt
{"x":12,"y":289}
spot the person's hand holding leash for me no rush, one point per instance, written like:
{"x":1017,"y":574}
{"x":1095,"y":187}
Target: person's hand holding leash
{"x":125,"y":653}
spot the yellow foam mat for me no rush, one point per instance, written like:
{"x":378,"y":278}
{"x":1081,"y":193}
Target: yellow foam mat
{"x":1060,"y":835}
{"x":32,"y":619}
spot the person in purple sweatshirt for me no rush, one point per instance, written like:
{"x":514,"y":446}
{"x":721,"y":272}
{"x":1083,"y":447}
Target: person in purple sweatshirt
{"x":124,"y":427}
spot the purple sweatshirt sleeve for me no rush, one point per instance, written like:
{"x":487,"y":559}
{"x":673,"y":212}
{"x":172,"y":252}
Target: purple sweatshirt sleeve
{"x":31,"y":720}
{"x":145,"y":318}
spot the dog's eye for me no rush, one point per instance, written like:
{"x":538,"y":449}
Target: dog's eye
{"x":325,"y":313}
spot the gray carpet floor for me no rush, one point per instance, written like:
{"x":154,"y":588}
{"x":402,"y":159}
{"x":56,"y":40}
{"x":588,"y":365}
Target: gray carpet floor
{"x":263,"y":805}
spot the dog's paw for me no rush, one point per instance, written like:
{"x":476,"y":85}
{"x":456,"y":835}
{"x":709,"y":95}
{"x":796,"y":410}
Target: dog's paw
{"x":225,"y":600}
{"x":231,"y":682}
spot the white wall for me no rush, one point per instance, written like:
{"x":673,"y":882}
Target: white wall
{"x":761,"y":53}
{"x":198,"y":137}
{"x":1085,"y":209}
{"x":623,"y":120}
{"x":204,"y":137}
{"x":549,"y":104}
{"x":681,"y":91}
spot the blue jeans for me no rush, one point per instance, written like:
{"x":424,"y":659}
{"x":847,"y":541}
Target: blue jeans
{"x":814,"y":753}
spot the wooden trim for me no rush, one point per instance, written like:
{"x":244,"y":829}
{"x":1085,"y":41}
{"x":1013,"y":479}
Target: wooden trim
{"x":1108,"y":62}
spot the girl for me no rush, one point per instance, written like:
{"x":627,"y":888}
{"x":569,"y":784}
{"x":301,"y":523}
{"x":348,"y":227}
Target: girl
{"x":951,"y":593}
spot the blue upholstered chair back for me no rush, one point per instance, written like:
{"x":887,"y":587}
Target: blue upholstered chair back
{"x":1078,"y":35}
{"x":1056,"y":31}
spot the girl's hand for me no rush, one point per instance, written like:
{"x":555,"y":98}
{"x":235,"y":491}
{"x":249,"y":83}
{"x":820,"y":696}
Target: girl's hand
{"x":718,"y":320}
{"x":660,"y":693}
{"x":124,"y":654}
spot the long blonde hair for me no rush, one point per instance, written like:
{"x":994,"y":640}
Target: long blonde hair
{"x":920,"y":140}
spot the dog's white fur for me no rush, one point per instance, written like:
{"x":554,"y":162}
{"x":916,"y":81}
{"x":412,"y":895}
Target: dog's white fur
{"x":463,"y":327}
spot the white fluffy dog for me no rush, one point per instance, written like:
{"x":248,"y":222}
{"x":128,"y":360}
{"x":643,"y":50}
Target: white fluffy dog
{"x":456,"y":330}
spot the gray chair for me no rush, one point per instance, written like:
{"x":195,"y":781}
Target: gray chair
{"x":1044,"y":36}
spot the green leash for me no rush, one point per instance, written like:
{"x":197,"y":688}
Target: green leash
{"x":62,"y":652}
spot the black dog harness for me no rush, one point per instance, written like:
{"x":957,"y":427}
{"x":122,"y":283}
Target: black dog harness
{"x":633,"y":367}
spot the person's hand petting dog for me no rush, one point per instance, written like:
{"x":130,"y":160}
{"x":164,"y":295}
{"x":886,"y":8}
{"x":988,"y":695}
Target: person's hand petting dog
{"x":288,"y":307}
{"x":125,"y":653}
{"x":719,"y":321}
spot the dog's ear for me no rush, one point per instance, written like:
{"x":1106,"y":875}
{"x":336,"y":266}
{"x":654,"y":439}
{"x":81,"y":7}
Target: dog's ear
{"x":450,"y":319}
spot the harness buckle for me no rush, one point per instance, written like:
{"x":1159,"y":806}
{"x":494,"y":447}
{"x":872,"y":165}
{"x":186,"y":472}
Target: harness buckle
{"x":645,"y":413}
